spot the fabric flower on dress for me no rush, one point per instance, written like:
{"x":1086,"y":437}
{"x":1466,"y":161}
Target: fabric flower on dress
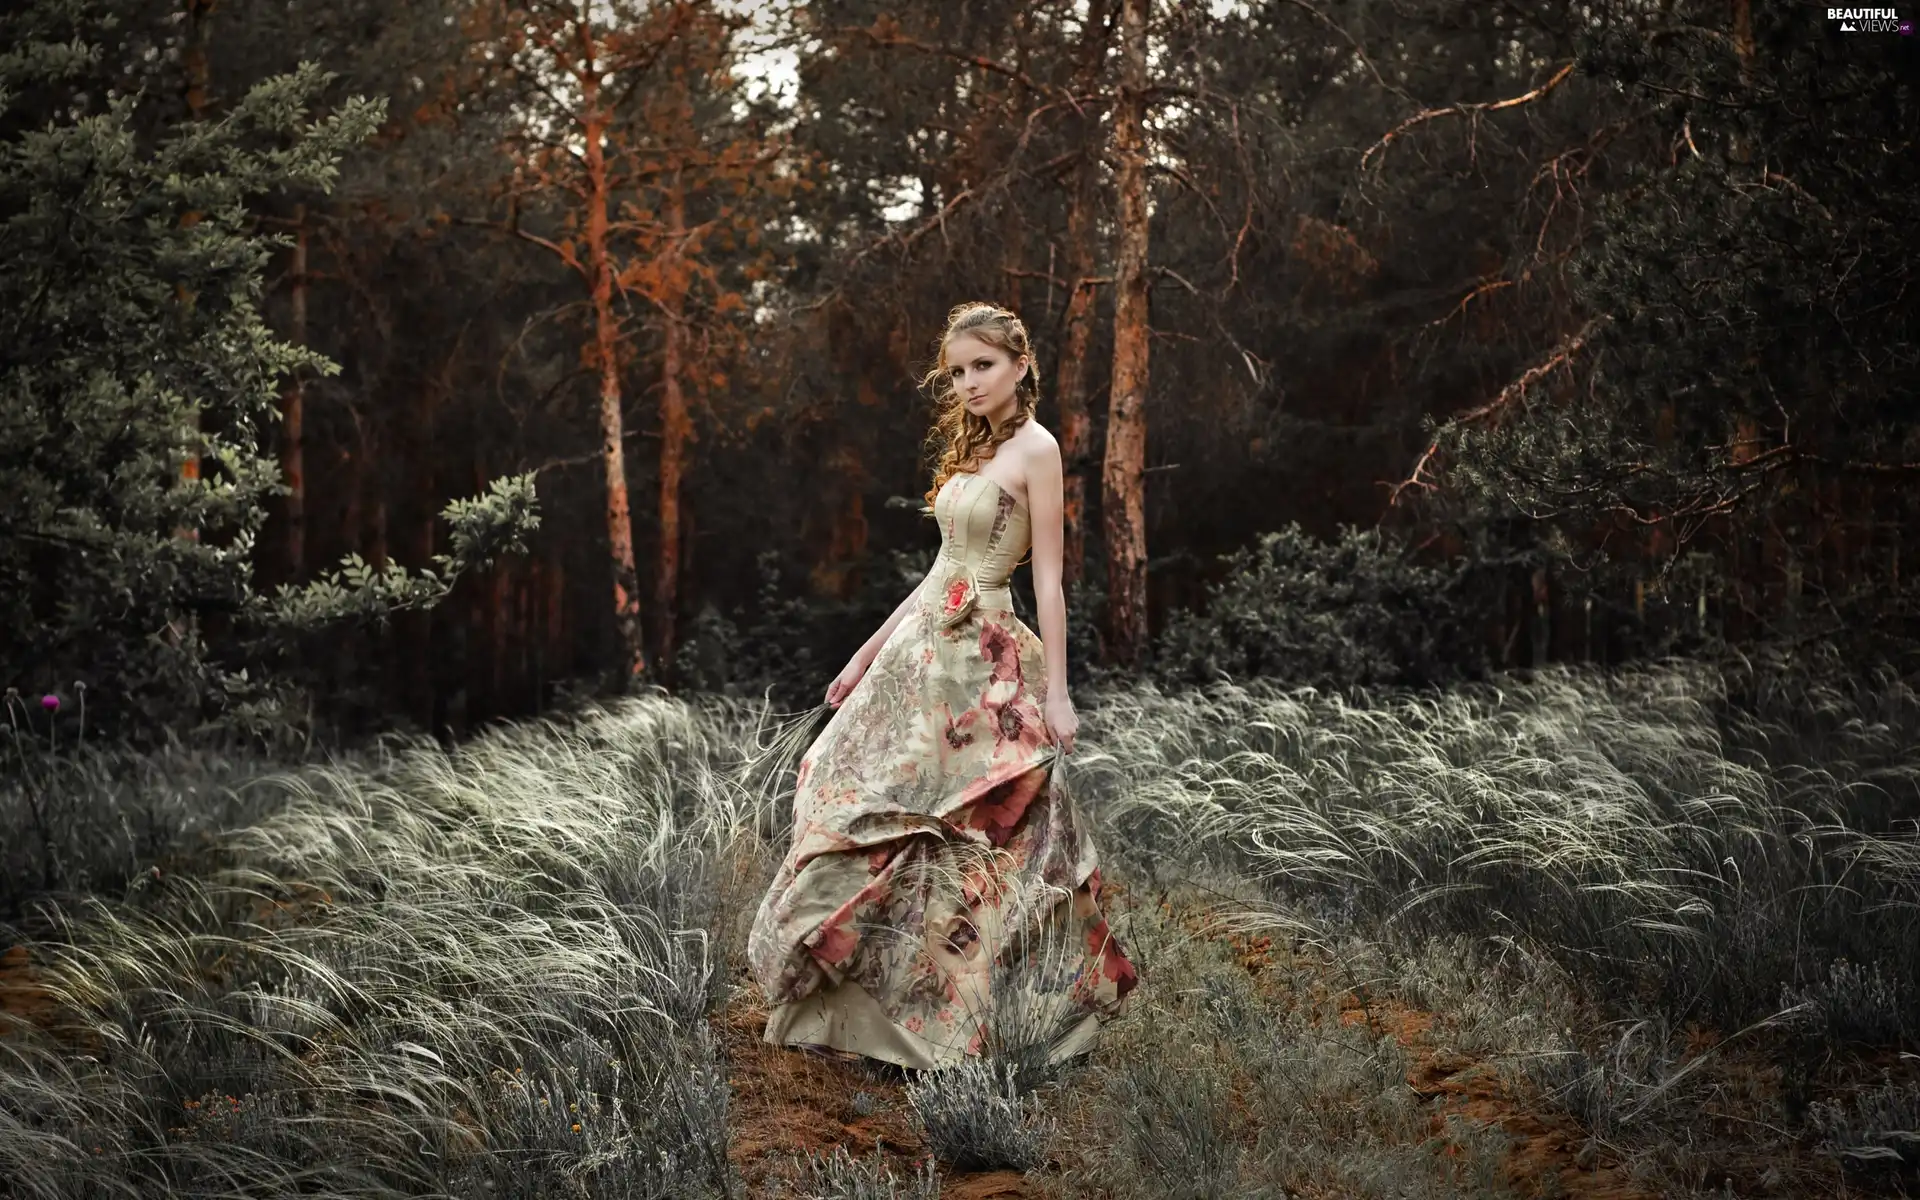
{"x":957,"y":599}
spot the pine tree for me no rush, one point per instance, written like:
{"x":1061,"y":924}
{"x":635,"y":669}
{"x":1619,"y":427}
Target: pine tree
{"x":131,"y":343}
{"x":1745,"y":381}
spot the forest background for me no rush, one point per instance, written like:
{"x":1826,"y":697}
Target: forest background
{"x":1386,"y":343}
{"x":1534,"y":381}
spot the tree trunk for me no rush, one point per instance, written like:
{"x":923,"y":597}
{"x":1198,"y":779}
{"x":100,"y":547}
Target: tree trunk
{"x":293,"y":464}
{"x":676,"y":433}
{"x":355,"y":459}
{"x":193,"y":60}
{"x":555,"y":661}
{"x":1542,"y":619}
{"x":416,"y":629}
{"x":1076,"y":425}
{"x":1123,"y":500}
{"x":626,"y":581}
{"x":526,"y":580}
{"x":1739,"y":147}
{"x":502,"y":621}
{"x":376,"y":538}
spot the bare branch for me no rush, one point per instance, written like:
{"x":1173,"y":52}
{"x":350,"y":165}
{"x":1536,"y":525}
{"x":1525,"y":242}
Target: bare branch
{"x":1057,"y":281}
{"x":886,"y":33}
{"x":938,"y":220}
{"x":1486,"y":288}
{"x":592,"y":456}
{"x":1430,"y":114}
{"x":1358,"y":53}
{"x":564,"y":252}
{"x":1562,"y":354}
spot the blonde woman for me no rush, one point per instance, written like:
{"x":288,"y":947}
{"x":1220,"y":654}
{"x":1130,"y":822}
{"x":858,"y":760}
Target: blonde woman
{"x":938,"y":877}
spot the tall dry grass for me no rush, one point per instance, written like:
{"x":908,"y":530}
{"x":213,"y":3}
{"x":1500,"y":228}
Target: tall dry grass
{"x":488,"y":971}
{"x":1717,"y":840}
{"x":478,"y":972}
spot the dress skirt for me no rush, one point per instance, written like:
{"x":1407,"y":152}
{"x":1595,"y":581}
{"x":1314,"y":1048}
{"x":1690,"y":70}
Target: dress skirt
{"x":940,"y":896}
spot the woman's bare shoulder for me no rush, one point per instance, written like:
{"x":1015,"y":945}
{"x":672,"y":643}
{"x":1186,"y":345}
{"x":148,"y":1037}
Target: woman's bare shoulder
{"x":1039,"y":454}
{"x":1034,"y":438}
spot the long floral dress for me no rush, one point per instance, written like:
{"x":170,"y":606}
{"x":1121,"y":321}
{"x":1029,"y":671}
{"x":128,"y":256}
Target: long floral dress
{"x":937,"y":870}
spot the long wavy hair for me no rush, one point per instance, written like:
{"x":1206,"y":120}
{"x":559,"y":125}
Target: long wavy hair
{"x":960,"y":440}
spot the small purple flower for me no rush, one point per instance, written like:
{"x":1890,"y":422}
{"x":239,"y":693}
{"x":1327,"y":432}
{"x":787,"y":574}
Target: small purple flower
{"x":50,"y":702}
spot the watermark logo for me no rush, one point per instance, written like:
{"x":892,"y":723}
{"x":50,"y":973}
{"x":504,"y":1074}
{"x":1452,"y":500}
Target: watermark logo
{"x":1870,"y":20}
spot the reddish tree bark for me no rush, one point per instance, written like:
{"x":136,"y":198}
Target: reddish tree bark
{"x":1076,"y":424}
{"x":606,"y":352}
{"x":376,"y":536}
{"x":416,"y":629}
{"x":556,"y":660}
{"x":634,"y":112}
{"x":1083,"y":250}
{"x":193,"y":60}
{"x":676,"y":427}
{"x":1123,"y":477}
{"x":501,"y":624}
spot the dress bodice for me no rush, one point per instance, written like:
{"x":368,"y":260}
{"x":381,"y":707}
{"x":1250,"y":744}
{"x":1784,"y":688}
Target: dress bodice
{"x":984,"y":531}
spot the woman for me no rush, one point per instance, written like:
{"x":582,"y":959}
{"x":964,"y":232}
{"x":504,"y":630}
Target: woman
{"x":940,"y":898}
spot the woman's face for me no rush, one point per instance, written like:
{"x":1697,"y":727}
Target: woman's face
{"x":984,"y":376}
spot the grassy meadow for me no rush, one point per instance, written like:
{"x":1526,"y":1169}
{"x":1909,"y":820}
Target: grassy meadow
{"x":1650,"y":932}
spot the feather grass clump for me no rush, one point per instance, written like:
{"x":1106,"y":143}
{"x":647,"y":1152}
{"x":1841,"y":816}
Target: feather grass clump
{"x":478,"y":972}
{"x":1179,"y":1131}
{"x":1640,"y":1078}
{"x":975,"y":1119}
{"x":82,"y":817}
{"x":1700,"y":836}
{"x":841,"y":1176}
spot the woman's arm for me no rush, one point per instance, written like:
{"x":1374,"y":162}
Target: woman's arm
{"x":1045,"y":503}
{"x":871,"y":649}
{"x":843,"y":684}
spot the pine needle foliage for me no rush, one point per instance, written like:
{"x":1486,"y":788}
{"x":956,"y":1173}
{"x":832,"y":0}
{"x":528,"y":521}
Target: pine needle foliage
{"x":1748,"y":306}
{"x":1358,"y":609}
{"x":139,"y":378}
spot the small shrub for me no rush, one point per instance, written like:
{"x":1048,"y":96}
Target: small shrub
{"x":1032,"y":1019}
{"x":840,"y":1176}
{"x":1854,"y":1003}
{"x":1178,"y":1129}
{"x":973,"y":1116}
{"x":1356,"y":611}
{"x":788,"y":644}
{"x":1878,"y":1125}
{"x":586,"y":1129}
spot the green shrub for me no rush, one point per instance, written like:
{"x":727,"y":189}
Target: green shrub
{"x":1355,"y":611}
{"x":787,"y":646}
{"x":139,"y":377}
